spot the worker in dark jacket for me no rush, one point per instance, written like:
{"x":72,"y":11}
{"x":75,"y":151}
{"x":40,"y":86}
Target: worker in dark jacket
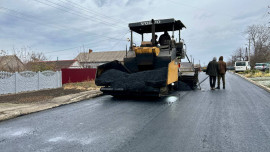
{"x":212,"y":71}
{"x":164,"y":38}
{"x":156,"y":41}
{"x":222,"y":70}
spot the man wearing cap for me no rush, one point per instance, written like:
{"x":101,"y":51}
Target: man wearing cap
{"x":212,"y":71}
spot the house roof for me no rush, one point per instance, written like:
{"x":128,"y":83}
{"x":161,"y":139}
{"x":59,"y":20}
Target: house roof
{"x":11,"y":63}
{"x":105,"y":56}
{"x":56,"y":65}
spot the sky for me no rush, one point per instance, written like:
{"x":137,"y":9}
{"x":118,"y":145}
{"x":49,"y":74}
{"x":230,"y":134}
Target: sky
{"x":63,"y":28}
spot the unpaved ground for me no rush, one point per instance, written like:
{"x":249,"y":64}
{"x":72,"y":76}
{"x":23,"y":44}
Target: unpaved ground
{"x":45,"y":95}
{"x":36,"y":96}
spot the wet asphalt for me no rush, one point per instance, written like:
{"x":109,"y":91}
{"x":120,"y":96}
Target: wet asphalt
{"x":234,"y":119}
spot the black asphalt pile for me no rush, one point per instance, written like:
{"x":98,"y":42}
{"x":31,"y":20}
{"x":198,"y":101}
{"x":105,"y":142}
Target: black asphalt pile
{"x":182,"y":86}
{"x":134,"y":81}
{"x":109,"y":76}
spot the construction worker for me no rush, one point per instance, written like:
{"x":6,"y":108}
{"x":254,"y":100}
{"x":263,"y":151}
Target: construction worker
{"x":222,"y":70}
{"x":212,"y":71}
{"x":164,"y":38}
{"x":156,"y":41}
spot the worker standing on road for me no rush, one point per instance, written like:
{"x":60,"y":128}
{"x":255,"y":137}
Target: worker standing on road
{"x":212,"y":71}
{"x":222,"y":70}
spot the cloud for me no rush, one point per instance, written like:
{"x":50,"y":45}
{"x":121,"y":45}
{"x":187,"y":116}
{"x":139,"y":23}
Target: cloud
{"x":213,"y":28}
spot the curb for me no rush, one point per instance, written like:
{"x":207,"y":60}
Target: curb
{"x":253,"y":82}
{"x":25,"y":109}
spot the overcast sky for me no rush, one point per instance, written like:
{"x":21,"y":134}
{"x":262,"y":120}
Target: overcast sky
{"x":63,"y":28}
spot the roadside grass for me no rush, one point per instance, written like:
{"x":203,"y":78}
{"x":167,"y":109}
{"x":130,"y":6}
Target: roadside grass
{"x":260,"y":77}
{"x":255,"y":73}
{"x":83,"y":86}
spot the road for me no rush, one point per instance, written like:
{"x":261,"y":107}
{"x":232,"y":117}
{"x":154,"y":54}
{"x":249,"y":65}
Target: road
{"x":234,"y":119}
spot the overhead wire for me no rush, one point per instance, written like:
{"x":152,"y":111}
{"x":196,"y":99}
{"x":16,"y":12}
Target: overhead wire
{"x":119,"y":41}
{"x":76,"y":13}
{"x":84,"y":44}
{"x":91,"y":11}
{"x":26,"y":17}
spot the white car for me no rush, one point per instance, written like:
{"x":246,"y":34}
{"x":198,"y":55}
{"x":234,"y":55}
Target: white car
{"x":241,"y":66}
{"x":262,"y":66}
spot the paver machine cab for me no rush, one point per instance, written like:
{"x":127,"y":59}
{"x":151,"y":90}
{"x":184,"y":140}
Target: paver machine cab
{"x":148,"y":69}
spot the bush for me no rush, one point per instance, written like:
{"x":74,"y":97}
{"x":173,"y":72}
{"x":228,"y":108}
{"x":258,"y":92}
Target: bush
{"x":247,"y":72}
{"x":255,"y":71}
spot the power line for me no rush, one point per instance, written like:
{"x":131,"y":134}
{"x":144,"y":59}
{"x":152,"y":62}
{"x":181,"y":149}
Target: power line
{"x":21,"y":15}
{"x":91,"y":11}
{"x":76,"y":13}
{"x":85,"y":44}
{"x":26,"y":17}
{"x":119,"y":41}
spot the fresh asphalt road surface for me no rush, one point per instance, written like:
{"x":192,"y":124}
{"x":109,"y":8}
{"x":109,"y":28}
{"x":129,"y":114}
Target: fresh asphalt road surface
{"x":234,"y":119}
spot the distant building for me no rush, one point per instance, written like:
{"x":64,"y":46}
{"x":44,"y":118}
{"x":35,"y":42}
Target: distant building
{"x":11,"y":63}
{"x":94,"y":59}
{"x":53,"y":65}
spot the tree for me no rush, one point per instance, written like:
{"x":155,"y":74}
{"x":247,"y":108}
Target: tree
{"x":259,"y":35}
{"x":25,"y":54}
{"x":22,"y":56}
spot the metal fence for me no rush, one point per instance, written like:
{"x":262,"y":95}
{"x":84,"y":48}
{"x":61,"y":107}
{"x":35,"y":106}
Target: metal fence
{"x":77,"y":75}
{"x":29,"y":81}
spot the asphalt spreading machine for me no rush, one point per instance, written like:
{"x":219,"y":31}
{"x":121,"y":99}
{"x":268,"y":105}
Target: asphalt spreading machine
{"x":148,"y":69}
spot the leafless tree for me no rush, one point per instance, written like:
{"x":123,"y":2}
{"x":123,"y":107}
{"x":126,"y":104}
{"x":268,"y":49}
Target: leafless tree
{"x":26,"y":54}
{"x":259,"y":35}
{"x":16,"y":60}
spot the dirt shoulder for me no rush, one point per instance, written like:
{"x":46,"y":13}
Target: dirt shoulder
{"x":36,"y":96}
{"x":13,"y":105}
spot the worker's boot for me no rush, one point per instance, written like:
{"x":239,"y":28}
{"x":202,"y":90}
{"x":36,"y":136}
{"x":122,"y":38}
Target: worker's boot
{"x":218,"y":87}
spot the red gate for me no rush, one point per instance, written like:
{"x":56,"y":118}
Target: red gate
{"x":77,"y":75}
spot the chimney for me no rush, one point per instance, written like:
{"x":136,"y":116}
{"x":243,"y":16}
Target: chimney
{"x":90,"y":50}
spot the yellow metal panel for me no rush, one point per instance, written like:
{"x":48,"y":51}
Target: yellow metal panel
{"x":142,"y":50}
{"x":172,"y":72}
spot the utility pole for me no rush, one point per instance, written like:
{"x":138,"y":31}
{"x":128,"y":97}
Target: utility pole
{"x":269,"y":14}
{"x":240,"y":54}
{"x":246,"y":55}
{"x":249,"y":50}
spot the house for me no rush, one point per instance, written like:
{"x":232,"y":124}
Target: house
{"x":11,"y":63}
{"x":94,"y":59}
{"x":53,"y":65}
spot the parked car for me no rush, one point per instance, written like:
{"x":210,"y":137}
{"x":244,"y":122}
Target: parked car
{"x":241,"y":66}
{"x":262,"y":66}
{"x":230,"y":68}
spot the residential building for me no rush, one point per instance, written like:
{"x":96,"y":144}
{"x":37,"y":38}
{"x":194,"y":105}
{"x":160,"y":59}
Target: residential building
{"x":11,"y":63}
{"x":94,"y":59}
{"x":53,"y":65}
